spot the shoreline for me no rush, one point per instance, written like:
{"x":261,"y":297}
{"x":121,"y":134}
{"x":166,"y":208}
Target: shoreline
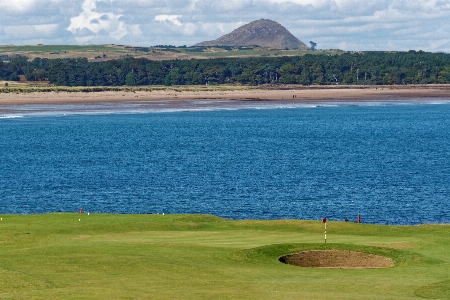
{"x":86,"y":213}
{"x":285,"y":93}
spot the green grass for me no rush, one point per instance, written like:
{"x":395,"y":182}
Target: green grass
{"x":66,"y":51}
{"x":15,"y":87}
{"x":120,"y":51}
{"x":73,"y":256}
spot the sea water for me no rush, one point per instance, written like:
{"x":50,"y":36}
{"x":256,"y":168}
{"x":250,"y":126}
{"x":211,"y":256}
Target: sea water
{"x":388,"y":162}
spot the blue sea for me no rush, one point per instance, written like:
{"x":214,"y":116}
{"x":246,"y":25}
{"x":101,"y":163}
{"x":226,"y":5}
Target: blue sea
{"x":387,"y":161}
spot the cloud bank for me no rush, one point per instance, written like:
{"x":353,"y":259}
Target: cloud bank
{"x":344,"y":24}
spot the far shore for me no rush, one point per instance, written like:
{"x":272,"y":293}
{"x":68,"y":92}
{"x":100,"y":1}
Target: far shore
{"x":266,"y":93}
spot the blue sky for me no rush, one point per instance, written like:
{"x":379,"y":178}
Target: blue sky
{"x":332,"y":24}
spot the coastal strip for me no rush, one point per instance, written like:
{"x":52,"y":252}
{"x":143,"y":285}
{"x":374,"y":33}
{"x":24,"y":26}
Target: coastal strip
{"x":270,"y":93}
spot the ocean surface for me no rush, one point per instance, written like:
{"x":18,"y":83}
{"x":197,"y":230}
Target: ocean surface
{"x":387,"y":161}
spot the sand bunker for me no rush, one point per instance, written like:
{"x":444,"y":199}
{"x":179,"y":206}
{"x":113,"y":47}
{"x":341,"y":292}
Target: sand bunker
{"x":337,"y":259}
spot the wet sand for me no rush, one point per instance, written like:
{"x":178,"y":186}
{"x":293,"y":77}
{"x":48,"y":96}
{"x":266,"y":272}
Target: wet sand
{"x":295,"y":94}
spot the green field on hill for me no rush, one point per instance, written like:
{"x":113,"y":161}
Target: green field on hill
{"x":96,"y":256}
{"x":112,"y":51}
{"x":66,"y":51}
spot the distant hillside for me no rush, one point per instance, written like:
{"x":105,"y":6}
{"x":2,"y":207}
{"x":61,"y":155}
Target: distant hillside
{"x":99,"y":53}
{"x":264,"y":33}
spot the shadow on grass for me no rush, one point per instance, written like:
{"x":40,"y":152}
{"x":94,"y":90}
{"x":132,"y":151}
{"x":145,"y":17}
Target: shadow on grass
{"x":440,"y":290}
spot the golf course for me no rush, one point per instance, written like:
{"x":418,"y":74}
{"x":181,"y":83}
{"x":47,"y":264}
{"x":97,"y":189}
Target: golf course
{"x":157,"y":256}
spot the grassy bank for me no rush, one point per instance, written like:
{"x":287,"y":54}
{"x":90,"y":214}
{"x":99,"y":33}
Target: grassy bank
{"x":12,"y":87}
{"x":73,"y":256}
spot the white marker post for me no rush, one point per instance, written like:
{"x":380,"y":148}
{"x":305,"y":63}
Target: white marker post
{"x":324,"y":220}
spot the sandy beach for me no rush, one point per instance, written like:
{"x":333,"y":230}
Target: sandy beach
{"x":288,"y":93}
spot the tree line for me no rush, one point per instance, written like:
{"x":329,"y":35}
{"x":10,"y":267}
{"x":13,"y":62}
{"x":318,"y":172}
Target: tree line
{"x":364,"y":68}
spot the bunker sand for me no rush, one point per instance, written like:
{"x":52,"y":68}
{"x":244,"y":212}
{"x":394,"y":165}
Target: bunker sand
{"x":337,"y":259}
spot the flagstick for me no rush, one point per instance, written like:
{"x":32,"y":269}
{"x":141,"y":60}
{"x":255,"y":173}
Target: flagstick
{"x":325,"y":232}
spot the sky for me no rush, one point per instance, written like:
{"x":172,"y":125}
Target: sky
{"x":351,"y":25}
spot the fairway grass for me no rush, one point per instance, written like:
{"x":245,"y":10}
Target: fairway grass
{"x":99,"y":256}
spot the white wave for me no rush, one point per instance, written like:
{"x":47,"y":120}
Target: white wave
{"x":11,"y":116}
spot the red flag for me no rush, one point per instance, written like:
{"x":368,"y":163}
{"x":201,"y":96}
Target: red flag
{"x":324,"y":219}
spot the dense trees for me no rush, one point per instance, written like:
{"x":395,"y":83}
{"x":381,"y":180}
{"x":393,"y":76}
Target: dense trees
{"x":371,"y":68}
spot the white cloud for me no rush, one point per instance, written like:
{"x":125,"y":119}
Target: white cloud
{"x":24,"y":6}
{"x":17,"y":6}
{"x":169,"y":18}
{"x":95,"y":22}
{"x":313,"y":3}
